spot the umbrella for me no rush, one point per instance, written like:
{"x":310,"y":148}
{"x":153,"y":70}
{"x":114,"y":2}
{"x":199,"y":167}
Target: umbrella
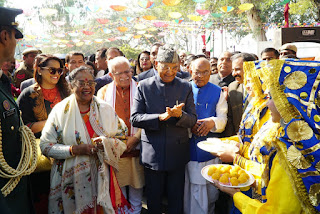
{"x":160,"y":24}
{"x":88,"y":33}
{"x":93,"y":8}
{"x":118,"y":7}
{"x":171,"y":2}
{"x":209,"y":24}
{"x":245,"y":6}
{"x":122,"y":29}
{"x":203,"y":12}
{"x":148,"y":17}
{"x":284,"y":2}
{"x":126,"y":19}
{"x":178,"y":21}
{"x":146,"y":3}
{"x":195,"y":18}
{"x":216,"y":15}
{"x":227,"y":9}
{"x":103,"y":21}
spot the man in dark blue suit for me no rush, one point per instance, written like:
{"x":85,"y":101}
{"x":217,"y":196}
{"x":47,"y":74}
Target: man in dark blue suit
{"x":163,"y":107}
{"x":151,"y":72}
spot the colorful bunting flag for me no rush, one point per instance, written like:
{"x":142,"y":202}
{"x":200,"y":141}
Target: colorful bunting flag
{"x":146,"y":3}
{"x":171,"y":2}
{"x":103,"y":21}
{"x":118,"y":7}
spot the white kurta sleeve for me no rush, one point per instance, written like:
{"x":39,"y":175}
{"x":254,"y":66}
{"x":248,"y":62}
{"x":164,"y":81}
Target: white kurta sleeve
{"x":221,"y":111}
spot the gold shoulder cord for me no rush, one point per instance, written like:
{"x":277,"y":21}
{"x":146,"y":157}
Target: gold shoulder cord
{"x":27,"y":163}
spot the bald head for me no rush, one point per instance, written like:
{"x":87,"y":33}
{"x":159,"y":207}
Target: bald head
{"x":201,"y":70}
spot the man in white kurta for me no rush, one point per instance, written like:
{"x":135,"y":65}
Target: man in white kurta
{"x":211,"y":108}
{"x":119,"y":94}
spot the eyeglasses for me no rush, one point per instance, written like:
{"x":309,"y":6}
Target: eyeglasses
{"x":82,"y":83}
{"x":53,"y":71}
{"x":166,"y":67}
{"x":120,"y":73}
{"x":201,"y":74}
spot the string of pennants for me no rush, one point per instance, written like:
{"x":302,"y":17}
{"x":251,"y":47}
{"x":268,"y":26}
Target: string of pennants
{"x":146,"y":26}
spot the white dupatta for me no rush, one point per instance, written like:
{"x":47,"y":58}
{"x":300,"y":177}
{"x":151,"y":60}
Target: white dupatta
{"x":77,"y":184}
{"x":110,"y":98}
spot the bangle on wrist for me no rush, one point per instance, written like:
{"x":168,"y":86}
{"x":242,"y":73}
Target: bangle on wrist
{"x":70,"y":150}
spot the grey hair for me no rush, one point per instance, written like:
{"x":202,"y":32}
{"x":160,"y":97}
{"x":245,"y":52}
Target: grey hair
{"x":245,"y":56}
{"x":117,"y":60}
{"x":74,"y":73}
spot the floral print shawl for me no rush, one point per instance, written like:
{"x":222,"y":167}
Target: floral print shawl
{"x":76,"y":181}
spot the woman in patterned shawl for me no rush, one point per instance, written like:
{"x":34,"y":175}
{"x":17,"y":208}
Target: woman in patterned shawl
{"x":82,"y":135}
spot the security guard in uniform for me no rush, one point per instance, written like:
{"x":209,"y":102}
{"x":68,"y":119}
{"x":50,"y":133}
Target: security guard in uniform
{"x":15,"y":198}
{"x":25,"y":70}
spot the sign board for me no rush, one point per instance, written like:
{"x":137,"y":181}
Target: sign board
{"x":300,"y":34}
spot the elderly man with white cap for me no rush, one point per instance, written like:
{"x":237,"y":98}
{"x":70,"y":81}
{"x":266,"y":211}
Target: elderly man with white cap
{"x":163,"y":107}
{"x":25,"y":70}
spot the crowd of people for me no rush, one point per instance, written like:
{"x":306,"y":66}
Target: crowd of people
{"x":97,"y":133}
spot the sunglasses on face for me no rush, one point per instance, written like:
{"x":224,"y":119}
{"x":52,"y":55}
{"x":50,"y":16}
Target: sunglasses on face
{"x":53,"y":71}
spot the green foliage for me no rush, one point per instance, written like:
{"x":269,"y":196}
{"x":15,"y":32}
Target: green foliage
{"x":129,"y":52}
{"x":303,"y":11}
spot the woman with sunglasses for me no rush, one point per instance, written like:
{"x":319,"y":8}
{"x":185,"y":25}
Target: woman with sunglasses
{"x":35,"y":103}
{"x":143,"y":62}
